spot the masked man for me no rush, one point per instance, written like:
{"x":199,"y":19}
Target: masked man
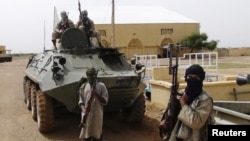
{"x":93,"y":96}
{"x":197,"y":108}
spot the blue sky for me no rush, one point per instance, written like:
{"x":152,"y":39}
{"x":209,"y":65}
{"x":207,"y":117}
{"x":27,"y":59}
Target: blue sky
{"x":24,"y":22}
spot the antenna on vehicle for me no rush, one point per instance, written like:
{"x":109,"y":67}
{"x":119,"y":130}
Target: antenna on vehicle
{"x":113,"y":24}
{"x":44,"y":36}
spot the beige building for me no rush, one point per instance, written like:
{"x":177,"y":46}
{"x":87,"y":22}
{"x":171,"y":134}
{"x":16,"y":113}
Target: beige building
{"x":142,"y":29}
{"x":3,"y":50}
{"x":138,"y":30}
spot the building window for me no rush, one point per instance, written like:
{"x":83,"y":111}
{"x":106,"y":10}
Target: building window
{"x":102,"y":32}
{"x":167,"y":31}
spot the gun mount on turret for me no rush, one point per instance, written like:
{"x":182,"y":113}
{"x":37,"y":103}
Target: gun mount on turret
{"x":243,"y":79}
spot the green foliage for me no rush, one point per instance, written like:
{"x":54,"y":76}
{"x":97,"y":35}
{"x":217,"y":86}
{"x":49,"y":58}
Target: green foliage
{"x":197,"y":41}
{"x":211,"y":45}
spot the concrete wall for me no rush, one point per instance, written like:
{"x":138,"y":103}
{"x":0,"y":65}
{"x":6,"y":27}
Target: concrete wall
{"x":224,"y":90}
{"x":242,"y":51}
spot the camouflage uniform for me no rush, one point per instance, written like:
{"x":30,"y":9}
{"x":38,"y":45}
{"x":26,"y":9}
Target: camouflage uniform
{"x":197,"y":108}
{"x":87,"y":25}
{"x":194,"y":120}
{"x":64,"y":24}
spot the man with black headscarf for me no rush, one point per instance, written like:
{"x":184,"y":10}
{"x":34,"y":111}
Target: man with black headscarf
{"x":196,"y":108}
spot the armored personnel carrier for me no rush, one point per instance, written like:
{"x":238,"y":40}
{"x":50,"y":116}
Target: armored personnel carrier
{"x":52,"y":79}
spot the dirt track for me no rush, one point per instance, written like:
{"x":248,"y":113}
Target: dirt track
{"x":18,"y":125}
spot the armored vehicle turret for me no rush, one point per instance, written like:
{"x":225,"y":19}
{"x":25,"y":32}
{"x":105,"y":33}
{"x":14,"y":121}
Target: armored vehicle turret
{"x":52,"y":78}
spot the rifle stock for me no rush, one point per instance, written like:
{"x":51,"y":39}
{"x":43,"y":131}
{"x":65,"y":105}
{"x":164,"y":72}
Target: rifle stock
{"x":170,"y":115}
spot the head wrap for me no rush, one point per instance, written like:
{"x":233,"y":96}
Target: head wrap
{"x":84,"y":12}
{"x":194,"y":85}
{"x":91,"y":75}
{"x":91,"y":72}
{"x":64,"y":15}
{"x":196,"y":69}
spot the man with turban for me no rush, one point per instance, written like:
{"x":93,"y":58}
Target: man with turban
{"x":93,"y":95}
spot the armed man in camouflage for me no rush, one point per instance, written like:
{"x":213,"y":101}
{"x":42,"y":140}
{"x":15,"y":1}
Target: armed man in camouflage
{"x":87,"y":25}
{"x":64,"y":24}
{"x":197,"y":108}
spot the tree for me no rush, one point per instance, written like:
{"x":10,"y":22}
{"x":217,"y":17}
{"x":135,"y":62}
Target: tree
{"x":197,"y":41}
{"x":211,"y":45}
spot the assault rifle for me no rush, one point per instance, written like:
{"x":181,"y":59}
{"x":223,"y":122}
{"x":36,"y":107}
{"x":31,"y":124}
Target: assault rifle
{"x":87,"y":109}
{"x":79,"y":8}
{"x":169,"y":117}
{"x":80,"y":13}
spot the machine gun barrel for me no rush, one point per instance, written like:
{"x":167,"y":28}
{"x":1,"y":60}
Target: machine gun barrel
{"x":243,"y":79}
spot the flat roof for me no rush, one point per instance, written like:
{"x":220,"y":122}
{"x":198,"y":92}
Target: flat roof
{"x":130,"y":15}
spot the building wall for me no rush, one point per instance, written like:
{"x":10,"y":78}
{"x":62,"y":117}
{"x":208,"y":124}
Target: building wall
{"x":242,"y":51}
{"x":2,"y":49}
{"x":144,"y":39}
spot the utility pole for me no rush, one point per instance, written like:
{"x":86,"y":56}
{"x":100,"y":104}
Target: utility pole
{"x":113,"y":23}
{"x":44,"y":36}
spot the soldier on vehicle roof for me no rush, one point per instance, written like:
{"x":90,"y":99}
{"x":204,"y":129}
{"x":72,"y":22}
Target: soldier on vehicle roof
{"x":87,"y":25}
{"x":64,"y":24}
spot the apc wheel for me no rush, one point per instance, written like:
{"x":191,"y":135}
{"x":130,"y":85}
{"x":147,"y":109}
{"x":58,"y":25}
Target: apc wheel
{"x":136,"y":113}
{"x":45,"y":112}
{"x":33,"y":102}
{"x":28,"y":94}
{"x":24,"y":88}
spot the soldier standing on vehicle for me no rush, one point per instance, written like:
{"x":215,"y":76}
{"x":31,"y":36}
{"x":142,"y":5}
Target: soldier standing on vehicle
{"x":64,"y":24}
{"x":87,"y":25}
{"x":197,"y":108}
{"x":93,"y":96}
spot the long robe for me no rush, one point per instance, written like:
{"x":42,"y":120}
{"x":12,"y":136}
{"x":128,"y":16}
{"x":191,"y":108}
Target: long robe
{"x":94,"y":121}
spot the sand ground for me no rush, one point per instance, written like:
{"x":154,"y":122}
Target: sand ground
{"x":18,"y":125}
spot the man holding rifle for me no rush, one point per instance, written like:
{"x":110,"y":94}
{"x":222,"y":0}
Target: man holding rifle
{"x":87,"y":25}
{"x":196,"y":108}
{"x":93,"y":96}
{"x":190,"y":111}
